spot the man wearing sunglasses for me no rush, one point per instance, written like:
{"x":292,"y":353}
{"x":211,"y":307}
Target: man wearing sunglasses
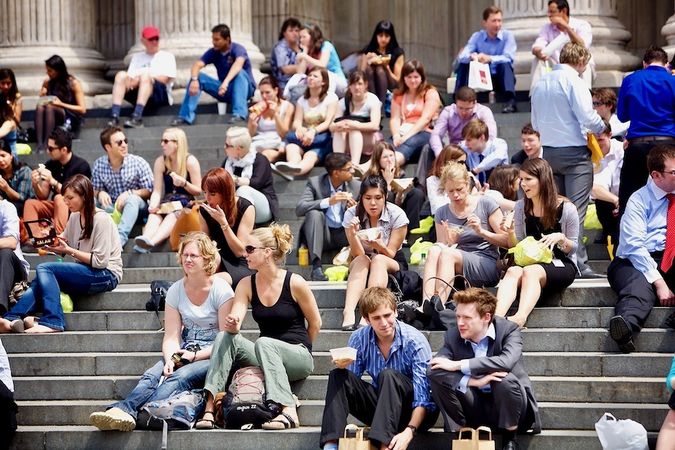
{"x":147,"y":81}
{"x":122,"y":181}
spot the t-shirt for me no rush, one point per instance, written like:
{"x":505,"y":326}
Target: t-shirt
{"x":333,"y":64}
{"x":76,"y":165}
{"x":223,"y":61}
{"x":469,"y":240}
{"x":392,"y":218}
{"x":314,"y":115}
{"x":200,"y":323}
{"x":161,"y":63}
{"x":371,"y":103}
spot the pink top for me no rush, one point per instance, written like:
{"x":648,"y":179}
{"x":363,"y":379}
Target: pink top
{"x":549,"y":32}
{"x":412,"y":108}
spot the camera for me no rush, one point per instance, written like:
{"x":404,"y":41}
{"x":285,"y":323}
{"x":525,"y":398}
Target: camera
{"x":179,"y":361}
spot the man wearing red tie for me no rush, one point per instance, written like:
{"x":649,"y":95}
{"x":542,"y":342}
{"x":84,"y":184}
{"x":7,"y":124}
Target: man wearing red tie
{"x":642,"y":273}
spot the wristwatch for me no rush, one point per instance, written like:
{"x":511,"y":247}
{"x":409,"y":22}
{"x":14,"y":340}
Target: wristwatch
{"x":413,"y":428}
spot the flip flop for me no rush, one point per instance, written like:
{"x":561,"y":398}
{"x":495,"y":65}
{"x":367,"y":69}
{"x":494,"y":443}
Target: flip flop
{"x":289,"y":423}
{"x":17,"y":326}
{"x":206,"y":424}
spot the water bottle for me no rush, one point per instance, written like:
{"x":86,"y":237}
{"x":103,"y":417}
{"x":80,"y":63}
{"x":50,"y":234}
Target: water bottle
{"x":492,"y":98}
{"x":423,"y":258}
{"x":303,"y":256}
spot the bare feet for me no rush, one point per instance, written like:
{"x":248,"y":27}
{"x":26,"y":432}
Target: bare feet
{"x":5,"y":326}
{"x":518,"y":320}
{"x":41,"y":329}
{"x":29,"y":322}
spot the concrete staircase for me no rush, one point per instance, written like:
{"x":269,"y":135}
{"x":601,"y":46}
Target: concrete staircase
{"x":576,"y":369}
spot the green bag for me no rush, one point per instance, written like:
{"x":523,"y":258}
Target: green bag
{"x":336,"y":273}
{"x":66,"y":303}
{"x":591,"y":222}
{"x":419,"y":248}
{"x":531,"y":251}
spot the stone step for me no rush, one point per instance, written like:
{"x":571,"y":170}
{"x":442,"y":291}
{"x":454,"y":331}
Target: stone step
{"x":303,"y":438}
{"x":134,"y":363}
{"x":562,"y":415}
{"x":534,"y":339}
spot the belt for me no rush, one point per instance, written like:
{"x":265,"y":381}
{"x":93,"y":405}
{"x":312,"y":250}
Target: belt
{"x":650,"y":139}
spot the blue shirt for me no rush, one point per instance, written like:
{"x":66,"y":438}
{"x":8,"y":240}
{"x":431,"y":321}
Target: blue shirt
{"x":333,"y":59}
{"x":282,"y":55}
{"x":479,"y":351}
{"x":562,"y":109}
{"x":647,"y":99}
{"x":495,"y":154}
{"x":643,"y":229}
{"x":135,"y":173}
{"x":501,"y":48}
{"x":410,"y":354}
{"x":223,"y":61}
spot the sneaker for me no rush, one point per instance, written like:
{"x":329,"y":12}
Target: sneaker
{"x":285,"y":176}
{"x":143,"y":242}
{"x":620,"y":331}
{"x":178,"y":121}
{"x":140,"y":250}
{"x":113,"y":419}
{"x":509,"y":108}
{"x":236,"y":120}
{"x":134,"y":122}
{"x":114,"y":121}
{"x":318,"y":275}
{"x":289,"y":168}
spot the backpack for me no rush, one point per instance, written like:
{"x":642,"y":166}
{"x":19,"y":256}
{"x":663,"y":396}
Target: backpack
{"x":157,"y":302}
{"x":245,"y":406}
{"x":179,"y":412}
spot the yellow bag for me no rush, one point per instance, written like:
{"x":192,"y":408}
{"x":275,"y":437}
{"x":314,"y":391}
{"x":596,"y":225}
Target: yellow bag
{"x":594,"y":147}
{"x":475,"y":442}
{"x":355,"y":438}
{"x":336,"y":273}
{"x":530,"y":251}
{"x":591,"y":222}
{"x":417,"y":249}
{"x":66,"y":303}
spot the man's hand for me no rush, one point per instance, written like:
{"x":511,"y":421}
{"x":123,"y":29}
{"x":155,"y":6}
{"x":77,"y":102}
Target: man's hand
{"x":223,"y":88}
{"x":538,"y":52}
{"x":342,"y":363}
{"x":663,"y":293}
{"x":104,"y":199}
{"x":339,"y":197}
{"x":401,"y":440}
{"x":194,"y":87}
{"x":121,"y":200}
{"x":484,"y":381}
{"x":483,"y":58}
{"x":445,"y":364}
{"x":559,"y":22}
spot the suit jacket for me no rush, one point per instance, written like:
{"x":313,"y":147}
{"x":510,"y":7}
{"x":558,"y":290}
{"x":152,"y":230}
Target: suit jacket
{"x":504,"y":355}
{"x":318,"y":188}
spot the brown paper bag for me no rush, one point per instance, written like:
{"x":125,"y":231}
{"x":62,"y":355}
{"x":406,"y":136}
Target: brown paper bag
{"x":355,"y":438}
{"x":474,"y":442}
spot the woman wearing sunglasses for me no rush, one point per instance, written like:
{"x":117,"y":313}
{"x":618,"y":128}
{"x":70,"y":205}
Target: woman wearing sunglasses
{"x":281,"y":303}
{"x":177,"y":177}
{"x":228,"y":219}
{"x":196,"y":307}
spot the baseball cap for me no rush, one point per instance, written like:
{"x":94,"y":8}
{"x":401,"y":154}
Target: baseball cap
{"x":150,"y":32}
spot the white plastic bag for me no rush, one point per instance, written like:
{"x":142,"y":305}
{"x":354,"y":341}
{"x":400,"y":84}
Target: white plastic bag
{"x":623,"y":434}
{"x":479,"y":76}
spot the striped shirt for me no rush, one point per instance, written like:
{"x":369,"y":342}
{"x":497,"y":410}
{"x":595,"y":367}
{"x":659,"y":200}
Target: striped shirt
{"x":410,"y":354}
{"x":135,"y":173}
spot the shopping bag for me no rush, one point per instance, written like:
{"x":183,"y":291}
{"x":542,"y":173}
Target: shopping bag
{"x":474,"y":442}
{"x":591,"y":222}
{"x":355,"y":438}
{"x":531,"y":251}
{"x":594,"y":147}
{"x":618,"y":434}
{"x":186,"y":222}
{"x":480,"y":79}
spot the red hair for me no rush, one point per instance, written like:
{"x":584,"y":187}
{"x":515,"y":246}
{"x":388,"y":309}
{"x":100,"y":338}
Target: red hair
{"x":219,"y":180}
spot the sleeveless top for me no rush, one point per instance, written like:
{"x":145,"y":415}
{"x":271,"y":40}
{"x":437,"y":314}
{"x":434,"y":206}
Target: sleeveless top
{"x":171,"y":190}
{"x":65,"y":95}
{"x":284,"y":320}
{"x":216,"y":233}
{"x":535,"y":228}
{"x":266,"y":125}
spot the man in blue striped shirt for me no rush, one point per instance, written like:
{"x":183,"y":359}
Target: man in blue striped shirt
{"x":398,"y":402}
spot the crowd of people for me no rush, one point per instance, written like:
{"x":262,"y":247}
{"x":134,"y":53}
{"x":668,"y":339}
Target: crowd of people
{"x":311,"y":113}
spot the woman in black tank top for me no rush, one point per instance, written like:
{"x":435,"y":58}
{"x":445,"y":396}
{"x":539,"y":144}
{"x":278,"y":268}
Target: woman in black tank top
{"x":280,"y":302}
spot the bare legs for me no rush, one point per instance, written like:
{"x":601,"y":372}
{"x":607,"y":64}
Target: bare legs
{"x":444,"y":263}
{"x":158,"y":228}
{"x":306,"y":161}
{"x":531,"y":280}
{"x":667,"y":433}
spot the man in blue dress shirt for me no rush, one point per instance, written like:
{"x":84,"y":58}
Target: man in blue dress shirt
{"x":494,"y":46}
{"x":478,"y":376}
{"x":642,"y":272}
{"x":396,"y":356}
{"x":647,"y":99}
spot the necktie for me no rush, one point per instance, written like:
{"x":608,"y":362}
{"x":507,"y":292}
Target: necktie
{"x":669,"y":252}
{"x":481,"y":176}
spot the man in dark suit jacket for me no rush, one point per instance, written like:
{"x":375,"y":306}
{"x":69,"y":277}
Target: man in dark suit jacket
{"x":323,"y":204}
{"x":477,"y":377}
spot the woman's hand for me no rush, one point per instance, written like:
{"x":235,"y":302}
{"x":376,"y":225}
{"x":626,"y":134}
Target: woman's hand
{"x":473,"y":222}
{"x":61,"y":246}
{"x":508,"y":224}
{"x":552,"y":239}
{"x":168,"y":368}
{"x":153,"y":210}
{"x":309,"y":136}
{"x":216,"y":213}
{"x":353,"y":227}
{"x":56,"y":102}
{"x":232,"y":323}
{"x":452,"y":233}
{"x":398,"y":140}
{"x":178,"y":181}
{"x":388,"y":172}
{"x":3,"y":184}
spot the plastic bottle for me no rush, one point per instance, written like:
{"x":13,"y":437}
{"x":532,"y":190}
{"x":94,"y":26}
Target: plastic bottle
{"x":303,"y":256}
{"x":492,"y":98}
{"x":423,"y":258}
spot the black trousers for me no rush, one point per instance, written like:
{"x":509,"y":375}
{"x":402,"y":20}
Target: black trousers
{"x":387,"y":409}
{"x":11,"y":271}
{"x":504,"y":407}
{"x":637,"y":296}
{"x":609,"y":222}
{"x":319,"y":236}
{"x":8,"y":410}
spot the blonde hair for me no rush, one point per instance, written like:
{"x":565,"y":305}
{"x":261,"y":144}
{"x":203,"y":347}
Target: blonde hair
{"x":239,"y":137}
{"x":182,"y":151}
{"x":573,"y":54}
{"x":475,"y":129}
{"x":453,"y":171}
{"x":374,"y":297}
{"x":206,"y":247}
{"x":278,"y":237}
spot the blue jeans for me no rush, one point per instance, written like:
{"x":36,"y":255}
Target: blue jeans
{"x":50,"y":280}
{"x":134,"y":207}
{"x":188,"y":377}
{"x":240,"y":89}
{"x":412,"y":148}
{"x":322,"y":144}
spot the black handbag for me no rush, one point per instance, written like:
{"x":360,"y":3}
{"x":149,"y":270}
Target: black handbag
{"x":158,"y":290}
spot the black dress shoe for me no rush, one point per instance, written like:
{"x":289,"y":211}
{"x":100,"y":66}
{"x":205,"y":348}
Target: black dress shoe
{"x":510,"y":445}
{"x":509,"y":108}
{"x":589,"y":273}
{"x":352,"y":327}
{"x":620,"y":331}
{"x":317,"y":275}
{"x":134,"y":122}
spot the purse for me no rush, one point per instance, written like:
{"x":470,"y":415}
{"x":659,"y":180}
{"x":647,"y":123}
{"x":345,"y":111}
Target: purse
{"x":475,"y":442}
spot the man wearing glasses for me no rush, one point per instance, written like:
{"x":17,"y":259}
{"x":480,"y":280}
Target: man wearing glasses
{"x":49,"y":177}
{"x":323,"y":205}
{"x":122,"y":182}
{"x":642,"y":273}
{"x":147,"y":81}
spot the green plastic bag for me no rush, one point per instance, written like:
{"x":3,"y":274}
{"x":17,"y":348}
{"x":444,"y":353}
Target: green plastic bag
{"x":425,"y":227}
{"x":419,"y":248}
{"x":66,"y":303}
{"x":116,"y":215}
{"x":591,"y":222}
{"x":530,"y":251}
{"x":336,"y":273}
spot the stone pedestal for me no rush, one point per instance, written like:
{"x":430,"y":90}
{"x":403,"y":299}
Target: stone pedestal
{"x":525,"y":17}
{"x":31,"y":32}
{"x":185,"y":29}
{"x":668,"y":31}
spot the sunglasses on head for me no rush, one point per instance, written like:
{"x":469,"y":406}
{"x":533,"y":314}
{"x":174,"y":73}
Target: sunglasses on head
{"x":249,"y":249}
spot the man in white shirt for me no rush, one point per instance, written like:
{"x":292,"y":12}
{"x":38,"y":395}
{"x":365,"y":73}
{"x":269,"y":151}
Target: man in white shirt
{"x":562,"y":112}
{"x":148,"y":80}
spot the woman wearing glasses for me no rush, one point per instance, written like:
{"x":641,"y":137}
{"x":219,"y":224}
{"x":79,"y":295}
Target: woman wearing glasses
{"x":177,"y":177}
{"x":281,"y":303}
{"x":228,"y":219}
{"x":196,"y":307}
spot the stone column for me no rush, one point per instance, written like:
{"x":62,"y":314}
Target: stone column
{"x":31,"y":32}
{"x":668,"y":31}
{"x":185,"y":29}
{"x":525,"y":17}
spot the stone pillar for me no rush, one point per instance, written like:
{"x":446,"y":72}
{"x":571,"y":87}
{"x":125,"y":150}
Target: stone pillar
{"x":31,"y":32}
{"x":525,"y":17}
{"x":185,"y":29}
{"x":668,"y":31}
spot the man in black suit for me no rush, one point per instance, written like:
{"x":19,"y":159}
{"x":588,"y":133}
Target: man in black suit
{"x":323,"y":204}
{"x":478,"y":377}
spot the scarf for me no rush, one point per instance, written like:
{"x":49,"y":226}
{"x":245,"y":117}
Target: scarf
{"x":245,"y":163}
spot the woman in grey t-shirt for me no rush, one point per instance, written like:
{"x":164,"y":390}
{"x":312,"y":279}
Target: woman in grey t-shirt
{"x":469,"y":231}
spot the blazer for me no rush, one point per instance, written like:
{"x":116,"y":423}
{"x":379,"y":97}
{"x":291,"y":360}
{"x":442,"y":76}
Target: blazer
{"x":317,"y":189}
{"x":504,"y":355}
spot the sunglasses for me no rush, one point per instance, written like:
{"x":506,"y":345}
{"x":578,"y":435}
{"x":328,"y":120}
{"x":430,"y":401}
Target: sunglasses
{"x":166,"y":141}
{"x":51,"y":149}
{"x":249,"y":249}
{"x":154,"y":39}
{"x":125,"y":140}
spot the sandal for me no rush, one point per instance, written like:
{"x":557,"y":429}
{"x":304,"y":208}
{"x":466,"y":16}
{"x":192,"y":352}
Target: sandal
{"x":206,"y":424}
{"x":285,"y":424}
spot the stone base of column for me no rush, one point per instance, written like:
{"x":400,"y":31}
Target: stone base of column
{"x":668,"y":31}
